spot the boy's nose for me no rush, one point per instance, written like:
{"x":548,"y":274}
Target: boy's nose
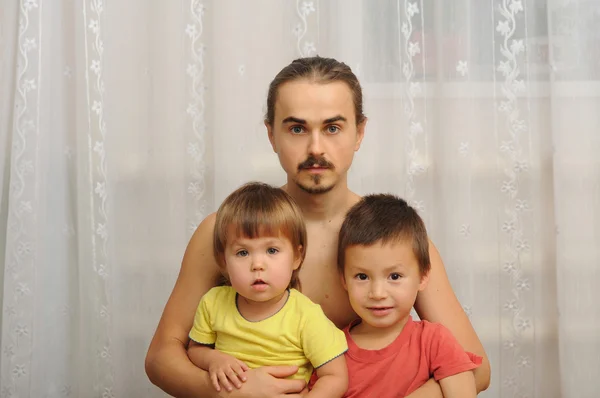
{"x":377,"y":291}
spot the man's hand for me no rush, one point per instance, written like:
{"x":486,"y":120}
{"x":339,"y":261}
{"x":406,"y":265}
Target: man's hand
{"x":268,"y":382}
{"x":225,"y":369}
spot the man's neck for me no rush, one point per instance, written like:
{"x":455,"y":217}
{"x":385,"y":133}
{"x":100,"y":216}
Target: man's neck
{"x":324,"y":206}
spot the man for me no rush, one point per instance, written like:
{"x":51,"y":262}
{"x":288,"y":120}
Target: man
{"x":315,"y":123}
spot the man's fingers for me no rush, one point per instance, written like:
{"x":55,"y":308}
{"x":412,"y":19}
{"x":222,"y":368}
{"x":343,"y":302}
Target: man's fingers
{"x":290,"y":386}
{"x":281,"y":371}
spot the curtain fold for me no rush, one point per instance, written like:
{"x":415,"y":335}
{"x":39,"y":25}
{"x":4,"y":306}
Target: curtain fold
{"x":123,"y":124}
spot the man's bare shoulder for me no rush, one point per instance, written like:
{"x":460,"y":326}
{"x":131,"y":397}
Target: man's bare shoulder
{"x":353,"y":198}
{"x":199,"y":272}
{"x":200,"y":246}
{"x":206,"y":227}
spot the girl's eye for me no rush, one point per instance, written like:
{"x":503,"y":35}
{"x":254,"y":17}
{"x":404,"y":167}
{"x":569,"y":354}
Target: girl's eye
{"x":272,"y":250}
{"x":333,"y":129}
{"x":395,"y":276}
{"x":242,"y":253}
{"x":361,"y":277}
{"x":297,"y":129}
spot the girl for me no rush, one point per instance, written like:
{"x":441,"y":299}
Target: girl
{"x":261,"y":319}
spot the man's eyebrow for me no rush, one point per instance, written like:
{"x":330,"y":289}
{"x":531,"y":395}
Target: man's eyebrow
{"x":292,"y":119}
{"x":338,"y":118}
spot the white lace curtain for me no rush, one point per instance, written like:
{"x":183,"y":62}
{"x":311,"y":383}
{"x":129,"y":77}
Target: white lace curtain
{"x":124,"y":123}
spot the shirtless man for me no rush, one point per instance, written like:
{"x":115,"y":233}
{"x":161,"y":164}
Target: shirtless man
{"x":315,"y":123}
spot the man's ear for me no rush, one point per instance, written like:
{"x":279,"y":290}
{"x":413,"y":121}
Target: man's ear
{"x":360,"y":134}
{"x":271,"y":136}
{"x":424,"y":281}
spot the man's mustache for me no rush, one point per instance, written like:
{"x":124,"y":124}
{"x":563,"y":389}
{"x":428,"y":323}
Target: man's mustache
{"x":311,"y":161}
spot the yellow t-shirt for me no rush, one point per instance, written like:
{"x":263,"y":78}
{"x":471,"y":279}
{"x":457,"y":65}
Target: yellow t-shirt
{"x":299,"y":334}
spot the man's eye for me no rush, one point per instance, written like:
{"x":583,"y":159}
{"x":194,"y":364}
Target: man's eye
{"x":272,"y":250}
{"x":333,"y":129}
{"x":297,"y":129}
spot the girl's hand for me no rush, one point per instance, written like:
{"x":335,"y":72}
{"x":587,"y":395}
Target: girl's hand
{"x":225,"y":370}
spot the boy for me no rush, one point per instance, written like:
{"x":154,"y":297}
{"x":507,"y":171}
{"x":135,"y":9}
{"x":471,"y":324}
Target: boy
{"x":383,"y":259}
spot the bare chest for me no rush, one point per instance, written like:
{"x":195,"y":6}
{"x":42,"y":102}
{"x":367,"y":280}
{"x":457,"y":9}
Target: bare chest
{"x":320,"y":278}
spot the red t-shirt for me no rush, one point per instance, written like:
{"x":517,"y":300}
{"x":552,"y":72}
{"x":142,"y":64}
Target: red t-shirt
{"x":421,"y":351}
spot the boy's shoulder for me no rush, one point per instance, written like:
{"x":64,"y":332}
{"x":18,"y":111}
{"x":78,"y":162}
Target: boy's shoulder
{"x":431,"y":331}
{"x":434,"y":335}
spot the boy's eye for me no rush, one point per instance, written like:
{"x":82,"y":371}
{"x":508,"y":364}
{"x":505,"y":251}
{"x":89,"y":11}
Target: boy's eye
{"x":272,"y":250}
{"x":361,"y":277}
{"x":242,"y":253}
{"x":395,"y":276}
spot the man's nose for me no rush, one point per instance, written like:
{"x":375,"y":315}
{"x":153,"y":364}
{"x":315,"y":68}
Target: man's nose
{"x":315,"y":145}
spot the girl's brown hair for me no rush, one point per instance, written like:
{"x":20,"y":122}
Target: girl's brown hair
{"x":257,"y":209}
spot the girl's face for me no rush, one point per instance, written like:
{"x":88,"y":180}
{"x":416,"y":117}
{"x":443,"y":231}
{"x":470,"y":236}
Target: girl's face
{"x":260,"y":269}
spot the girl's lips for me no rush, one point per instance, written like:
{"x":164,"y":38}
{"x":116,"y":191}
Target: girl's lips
{"x":260,"y":286}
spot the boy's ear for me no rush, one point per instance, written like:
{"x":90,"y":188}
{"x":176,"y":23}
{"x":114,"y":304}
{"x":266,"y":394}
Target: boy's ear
{"x":343,"y":279}
{"x":424,"y":281}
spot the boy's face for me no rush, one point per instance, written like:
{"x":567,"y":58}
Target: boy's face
{"x":382,"y":282}
{"x":314,"y":133}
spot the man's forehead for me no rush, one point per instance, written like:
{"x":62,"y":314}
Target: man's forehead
{"x":305,"y":89}
{"x":314,"y":102}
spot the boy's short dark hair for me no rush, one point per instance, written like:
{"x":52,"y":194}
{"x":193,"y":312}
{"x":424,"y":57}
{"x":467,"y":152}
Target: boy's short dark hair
{"x":384,"y":218}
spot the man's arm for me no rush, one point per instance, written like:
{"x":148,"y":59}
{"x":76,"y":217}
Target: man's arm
{"x":438,"y":303}
{"x":169,"y":368}
{"x":167,"y":363}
